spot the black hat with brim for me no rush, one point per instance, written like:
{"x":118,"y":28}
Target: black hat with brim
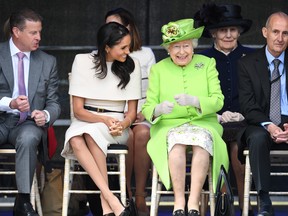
{"x":218,"y":16}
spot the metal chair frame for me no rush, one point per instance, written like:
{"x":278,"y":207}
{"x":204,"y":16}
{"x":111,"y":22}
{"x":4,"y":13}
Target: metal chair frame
{"x":34,"y":195}
{"x":248,"y":179}
{"x":157,"y":191}
{"x":119,"y":150}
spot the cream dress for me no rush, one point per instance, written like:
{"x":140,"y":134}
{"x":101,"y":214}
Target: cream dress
{"x":100,"y":93}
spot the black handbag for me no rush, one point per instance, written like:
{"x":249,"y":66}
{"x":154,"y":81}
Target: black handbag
{"x":224,"y":205}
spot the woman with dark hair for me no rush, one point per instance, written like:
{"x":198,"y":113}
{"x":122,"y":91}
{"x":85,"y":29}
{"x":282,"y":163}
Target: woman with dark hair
{"x":138,"y":159}
{"x":101,"y":84}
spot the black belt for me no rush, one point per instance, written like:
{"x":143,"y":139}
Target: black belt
{"x":95,"y":109}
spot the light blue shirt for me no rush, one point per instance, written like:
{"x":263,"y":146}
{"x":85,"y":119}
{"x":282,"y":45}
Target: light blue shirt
{"x":282,"y":71}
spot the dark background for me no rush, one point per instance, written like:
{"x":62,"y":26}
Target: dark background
{"x":70,"y":27}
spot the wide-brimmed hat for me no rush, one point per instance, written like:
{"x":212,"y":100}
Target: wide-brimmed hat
{"x":180,"y":30}
{"x":214,"y":16}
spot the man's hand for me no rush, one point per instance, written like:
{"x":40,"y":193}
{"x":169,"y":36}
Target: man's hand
{"x":163,"y":108}
{"x":277,"y":134}
{"x":39,"y":117}
{"x":21,"y":103}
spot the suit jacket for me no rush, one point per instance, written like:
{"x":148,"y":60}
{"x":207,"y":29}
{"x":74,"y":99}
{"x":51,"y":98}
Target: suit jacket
{"x":254,"y":89}
{"x":42,"y":85}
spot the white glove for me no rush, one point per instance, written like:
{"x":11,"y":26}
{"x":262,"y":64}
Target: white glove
{"x":187,"y":100}
{"x":219,"y":117}
{"x":228,"y":116}
{"x":163,"y":108}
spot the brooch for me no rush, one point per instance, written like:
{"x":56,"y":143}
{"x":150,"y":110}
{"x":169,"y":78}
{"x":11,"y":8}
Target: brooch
{"x":199,"y":65}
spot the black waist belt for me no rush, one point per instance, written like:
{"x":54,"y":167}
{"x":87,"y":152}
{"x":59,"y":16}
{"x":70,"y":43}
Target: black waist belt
{"x":95,"y":109}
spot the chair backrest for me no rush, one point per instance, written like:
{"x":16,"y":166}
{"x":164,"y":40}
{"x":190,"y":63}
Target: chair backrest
{"x":72,"y":117}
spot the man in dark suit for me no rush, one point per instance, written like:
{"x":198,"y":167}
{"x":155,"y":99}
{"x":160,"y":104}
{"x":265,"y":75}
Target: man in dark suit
{"x":264,"y":131}
{"x":25,"y":116}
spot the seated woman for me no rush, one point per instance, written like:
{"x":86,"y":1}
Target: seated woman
{"x":225,"y":29}
{"x":183,"y":97}
{"x":101,"y":84}
{"x":138,"y":160}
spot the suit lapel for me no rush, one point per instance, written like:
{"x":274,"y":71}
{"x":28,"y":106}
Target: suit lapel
{"x":34,"y":74}
{"x":7,"y":67}
{"x":286,"y":70}
{"x":263,"y":73}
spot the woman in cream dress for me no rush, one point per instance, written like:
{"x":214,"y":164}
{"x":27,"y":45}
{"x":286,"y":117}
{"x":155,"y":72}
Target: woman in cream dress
{"x":100,"y":86}
{"x":138,"y":160}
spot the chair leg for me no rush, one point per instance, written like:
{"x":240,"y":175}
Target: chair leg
{"x":37,"y":196}
{"x":153,"y":211}
{"x":211,"y":192}
{"x":247,"y":185}
{"x":122,"y":169}
{"x":204,"y":203}
{"x":33,"y":191}
{"x":66,"y":187}
{"x":158,"y":195}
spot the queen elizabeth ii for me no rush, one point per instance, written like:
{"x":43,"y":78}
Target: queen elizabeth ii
{"x":183,"y":97}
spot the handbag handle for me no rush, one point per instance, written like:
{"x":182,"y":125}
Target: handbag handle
{"x":223,"y":175}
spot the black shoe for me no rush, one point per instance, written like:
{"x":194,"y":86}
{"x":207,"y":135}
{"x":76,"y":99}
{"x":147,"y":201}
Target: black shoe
{"x":266,"y":213}
{"x":266,"y":209}
{"x":193,"y":212}
{"x":23,"y":209}
{"x":125,"y":212}
{"x":179,"y":212}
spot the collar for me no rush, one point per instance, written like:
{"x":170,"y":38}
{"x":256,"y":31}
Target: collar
{"x":225,"y":53}
{"x":270,"y":57}
{"x":14,"y":50}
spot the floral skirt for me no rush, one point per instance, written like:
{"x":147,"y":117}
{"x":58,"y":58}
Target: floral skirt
{"x":191,"y":135}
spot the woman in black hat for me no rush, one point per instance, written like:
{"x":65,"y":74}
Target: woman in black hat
{"x":225,"y":24}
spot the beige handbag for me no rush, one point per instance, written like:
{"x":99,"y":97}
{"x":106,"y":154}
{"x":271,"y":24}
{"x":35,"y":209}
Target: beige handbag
{"x":52,"y":194}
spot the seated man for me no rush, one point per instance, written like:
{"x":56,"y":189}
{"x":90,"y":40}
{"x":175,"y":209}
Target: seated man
{"x":263,"y":101}
{"x":28,"y":100}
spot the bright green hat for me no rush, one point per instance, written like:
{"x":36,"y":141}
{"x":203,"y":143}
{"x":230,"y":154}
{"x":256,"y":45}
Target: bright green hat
{"x":180,"y":30}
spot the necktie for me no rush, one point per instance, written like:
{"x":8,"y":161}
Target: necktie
{"x":275,"y":99}
{"x":21,"y":83}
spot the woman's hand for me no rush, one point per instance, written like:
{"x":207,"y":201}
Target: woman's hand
{"x":187,"y":100}
{"x":165,"y":107}
{"x":140,"y":117}
{"x":116,"y":129}
{"x":228,"y":116}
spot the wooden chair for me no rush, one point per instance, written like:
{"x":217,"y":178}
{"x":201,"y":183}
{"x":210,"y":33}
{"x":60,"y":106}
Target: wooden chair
{"x":156,"y":192}
{"x":248,"y":179}
{"x":8,"y":150}
{"x":117,"y":150}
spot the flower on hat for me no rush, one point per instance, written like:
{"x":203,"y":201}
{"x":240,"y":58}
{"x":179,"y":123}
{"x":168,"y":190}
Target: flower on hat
{"x":171,"y":31}
{"x":180,"y":30}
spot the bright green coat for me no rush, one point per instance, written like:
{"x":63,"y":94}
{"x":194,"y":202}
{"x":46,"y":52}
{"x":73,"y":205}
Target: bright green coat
{"x":198,"y":78}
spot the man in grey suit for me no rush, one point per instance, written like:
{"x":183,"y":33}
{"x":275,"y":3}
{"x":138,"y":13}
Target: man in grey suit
{"x":256,"y":96}
{"x":39,"y":103}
